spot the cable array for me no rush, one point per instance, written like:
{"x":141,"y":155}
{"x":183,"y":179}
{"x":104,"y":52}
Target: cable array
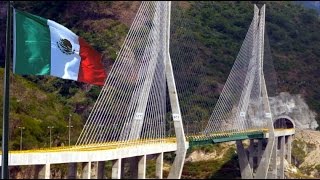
{"x":190,"y":68}
{"x":242,"y":104}
{"x":131,"y":106}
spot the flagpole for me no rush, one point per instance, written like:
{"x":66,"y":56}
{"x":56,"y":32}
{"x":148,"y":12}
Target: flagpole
{"x":5,"y":121}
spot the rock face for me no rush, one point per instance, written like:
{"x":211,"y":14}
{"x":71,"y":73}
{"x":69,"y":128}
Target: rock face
{"x":197,"y":156}
{"x":312,"y":147}
{"x":295,"y":107}
{"x":306,"y":144}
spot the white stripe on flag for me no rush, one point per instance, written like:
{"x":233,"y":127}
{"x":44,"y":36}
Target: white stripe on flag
{"x":64,"y":65}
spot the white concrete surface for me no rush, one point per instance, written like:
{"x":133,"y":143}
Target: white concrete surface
{"x":281,"y":132}
{"x":38,"y":158}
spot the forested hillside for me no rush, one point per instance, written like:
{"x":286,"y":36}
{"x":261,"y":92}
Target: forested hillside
{"x":210,"y":35}
{"x":41,"y":101}
{"x":217,"y":30}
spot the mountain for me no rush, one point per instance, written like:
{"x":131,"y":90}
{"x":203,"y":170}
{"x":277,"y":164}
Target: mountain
{"x":213,"y":31}
{"x":220,"y":161}
{"x":54,"y":99}
{"x":35,"y":110}
{"x":210,"y":34}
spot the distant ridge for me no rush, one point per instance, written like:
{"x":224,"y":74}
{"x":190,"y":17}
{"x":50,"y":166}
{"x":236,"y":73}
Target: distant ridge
{"x":310,"y":4}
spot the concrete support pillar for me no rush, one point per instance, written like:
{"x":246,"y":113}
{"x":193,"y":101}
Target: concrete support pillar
{"x":72,"y":170}
{"x":86,"y":170}
{"x":138,"y":167}
{"x":245,"y":169}
{"x":100,"y":170}
{"x":177,"y":166}
{"x":259,"y":152}
{"x":42,"y":171}
{"x":272,"y":171}
{"x":282,"y":158}
{"x":159,"y":166}
{"x":286,"y":144}
{"x":251,"y":154}
{"x":116,"y":169}
{"x":289,"y":141}
{"x":142,"y":165}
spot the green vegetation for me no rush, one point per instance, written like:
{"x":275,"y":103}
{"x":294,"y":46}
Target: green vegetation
{"x":307,"y":169}
{"x":210,"y":35}
{"x":298,"y":151}
{"x":223,"y":168}
{"x":299,"y":175}
{"x":214,"y":30}
{"x":205,"y":148}
{"x":217,"y":30}
{"x":40,"y":101}
{"x":35,"y":110}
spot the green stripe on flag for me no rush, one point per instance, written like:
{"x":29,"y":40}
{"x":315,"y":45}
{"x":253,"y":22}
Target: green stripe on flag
{"x":33,"y":44}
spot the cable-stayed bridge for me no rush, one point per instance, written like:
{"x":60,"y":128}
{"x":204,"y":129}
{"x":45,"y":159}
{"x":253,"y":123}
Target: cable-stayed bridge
{"x":130,"y":118}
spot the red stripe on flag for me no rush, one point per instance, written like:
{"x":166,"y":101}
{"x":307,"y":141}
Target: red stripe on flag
{"x":91,"y":68}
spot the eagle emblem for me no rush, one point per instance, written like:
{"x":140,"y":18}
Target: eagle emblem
{"x":65,"y":46}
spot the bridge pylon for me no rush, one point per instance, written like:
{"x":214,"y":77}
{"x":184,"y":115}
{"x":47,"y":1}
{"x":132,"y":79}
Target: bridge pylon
{"x":131,"y":108}
{"x":265,"y":168}
{"x":266,"y":149}
{"x":243,"y":108}
{"x":176,"y":169}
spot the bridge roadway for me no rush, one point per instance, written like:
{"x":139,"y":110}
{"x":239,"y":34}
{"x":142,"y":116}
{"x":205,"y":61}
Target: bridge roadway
{"x":112,"y":151}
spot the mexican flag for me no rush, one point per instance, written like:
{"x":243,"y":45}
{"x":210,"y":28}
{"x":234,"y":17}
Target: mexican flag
{"x":44,"y":47}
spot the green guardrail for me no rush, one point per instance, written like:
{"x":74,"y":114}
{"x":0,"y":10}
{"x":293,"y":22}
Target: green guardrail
{"x":198,"y":141}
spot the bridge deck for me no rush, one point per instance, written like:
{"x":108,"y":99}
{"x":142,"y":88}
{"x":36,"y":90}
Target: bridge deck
{"x":116,"y":150}
{"x":233,"y":136}
{"x":101,"y":146}
{"x":86,"y":154}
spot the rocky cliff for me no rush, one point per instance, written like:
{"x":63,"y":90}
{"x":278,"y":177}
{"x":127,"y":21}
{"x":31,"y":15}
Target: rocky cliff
{"x":295,"y":107}
{"x":305,"y":154}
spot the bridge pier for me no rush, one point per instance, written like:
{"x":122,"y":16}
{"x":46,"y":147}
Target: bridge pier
{"x":142,"y":165}
{"x":273,"y":168}
{"x":42,"y":171}
{"x":138,"y":167}
{"x":244,"y":164}
{"x":116,"y":169}
{"x":282,"y":156}
{"x":251,"y":154}
{"x":159,"y":166}
{"x":288,"y":146}
{"x":250,"y":158}
{"x":86,"y":170}
{"x":259,"y":151}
